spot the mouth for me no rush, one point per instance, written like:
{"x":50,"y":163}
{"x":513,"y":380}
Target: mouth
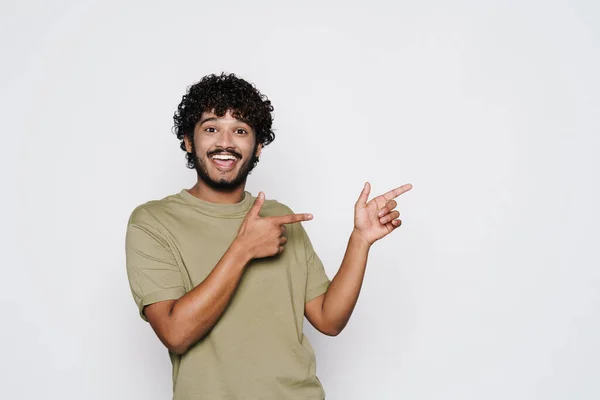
{"x":224,"y":161}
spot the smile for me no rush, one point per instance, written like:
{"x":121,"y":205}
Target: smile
{"x":224,"y":162}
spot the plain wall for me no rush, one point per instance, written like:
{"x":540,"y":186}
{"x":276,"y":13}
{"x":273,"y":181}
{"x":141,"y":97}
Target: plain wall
{"x":489,"y":290}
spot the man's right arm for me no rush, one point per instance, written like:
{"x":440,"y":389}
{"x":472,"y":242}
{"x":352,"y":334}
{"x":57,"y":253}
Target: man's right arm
{"x":180,"y":323}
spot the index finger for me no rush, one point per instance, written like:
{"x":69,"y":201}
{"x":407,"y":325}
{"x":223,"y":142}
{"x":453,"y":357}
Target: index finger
{"x":292,"y":218}
{"x":392,"y":194}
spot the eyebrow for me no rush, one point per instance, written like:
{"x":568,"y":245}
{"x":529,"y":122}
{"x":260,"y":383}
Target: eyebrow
{"x":210,"y":119}
{"x":207,"y":119}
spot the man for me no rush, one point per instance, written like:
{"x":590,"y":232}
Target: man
{"x":225,"y":279}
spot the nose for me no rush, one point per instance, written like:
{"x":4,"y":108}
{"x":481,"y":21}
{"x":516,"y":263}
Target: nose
{"x":225,"y":139}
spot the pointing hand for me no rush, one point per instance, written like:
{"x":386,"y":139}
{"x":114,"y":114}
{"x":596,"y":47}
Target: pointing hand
{"x":266,"y":236}
{"x":377,"y":218}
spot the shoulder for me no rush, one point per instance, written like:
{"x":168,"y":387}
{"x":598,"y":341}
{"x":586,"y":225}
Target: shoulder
{"x":148,"y":212}
{"x":145,"y":226}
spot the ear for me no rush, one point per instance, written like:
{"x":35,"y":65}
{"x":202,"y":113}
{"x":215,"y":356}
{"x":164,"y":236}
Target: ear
{"x":259,"y":150}
{"x":188,"y":143}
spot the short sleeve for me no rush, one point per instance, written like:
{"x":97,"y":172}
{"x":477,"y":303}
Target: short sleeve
{"x":151,"y":267}
{"x":317,"y":280}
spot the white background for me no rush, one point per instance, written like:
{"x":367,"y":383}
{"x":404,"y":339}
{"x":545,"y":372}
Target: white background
{"x":489,"y":290}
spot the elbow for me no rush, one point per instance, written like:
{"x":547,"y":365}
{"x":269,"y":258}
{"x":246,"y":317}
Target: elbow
{"x":335,"y":332}
{"x":176,"y":344}
{"x":178,"y":349}
{"x":180,"y":344}
{"x":331,"y":330}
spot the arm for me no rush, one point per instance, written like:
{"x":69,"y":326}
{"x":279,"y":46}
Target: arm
{"x":181,"y":323}
{"x":330,"y":312}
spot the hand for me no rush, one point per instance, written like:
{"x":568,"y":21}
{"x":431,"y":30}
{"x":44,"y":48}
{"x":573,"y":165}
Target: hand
{"x":266,"y":236}
{"x":377,"y":218}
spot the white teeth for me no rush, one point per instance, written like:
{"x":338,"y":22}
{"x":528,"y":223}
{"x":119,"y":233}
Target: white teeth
{"x":223,"y":157}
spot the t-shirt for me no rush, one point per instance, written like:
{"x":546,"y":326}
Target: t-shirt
{"x":257,"y":349}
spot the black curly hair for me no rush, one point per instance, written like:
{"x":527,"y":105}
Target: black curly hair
{"x":219,"y":94}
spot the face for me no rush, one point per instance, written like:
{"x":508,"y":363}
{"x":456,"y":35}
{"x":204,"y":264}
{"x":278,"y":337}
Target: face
{"x":225,"y":150}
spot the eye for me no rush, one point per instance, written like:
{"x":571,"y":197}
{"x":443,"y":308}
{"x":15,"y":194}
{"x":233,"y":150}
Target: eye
{"x":241,"y":131}
{"x":210,"y":129}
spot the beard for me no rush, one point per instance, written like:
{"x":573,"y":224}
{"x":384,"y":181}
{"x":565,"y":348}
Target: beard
{"x":224,"y":184}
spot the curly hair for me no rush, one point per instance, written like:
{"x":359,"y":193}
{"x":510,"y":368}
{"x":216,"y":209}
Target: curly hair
{"x":219,"y":94}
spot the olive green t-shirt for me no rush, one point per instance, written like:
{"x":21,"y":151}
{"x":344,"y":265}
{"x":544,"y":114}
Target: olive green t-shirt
{"x":257,"y":349}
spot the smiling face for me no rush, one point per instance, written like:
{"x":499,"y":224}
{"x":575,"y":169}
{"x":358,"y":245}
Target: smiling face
{"x":225,"y":149}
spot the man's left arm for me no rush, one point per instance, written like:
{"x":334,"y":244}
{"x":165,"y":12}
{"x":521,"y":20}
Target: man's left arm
{"x":373,"y":220}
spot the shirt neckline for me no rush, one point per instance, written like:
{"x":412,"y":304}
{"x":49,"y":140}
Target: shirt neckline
{"x":218,"y":209}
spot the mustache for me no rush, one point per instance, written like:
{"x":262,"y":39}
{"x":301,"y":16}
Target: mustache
{"x":228,"y":152}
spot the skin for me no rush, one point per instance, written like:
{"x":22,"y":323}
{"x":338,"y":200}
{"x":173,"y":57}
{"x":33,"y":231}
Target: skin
{"x":181,"y":323}
{"x":230,"y":135}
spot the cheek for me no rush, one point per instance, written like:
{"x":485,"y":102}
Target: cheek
{"x":202,"y":145}
{"x":248,"y":147}
{"x":248,"y":151}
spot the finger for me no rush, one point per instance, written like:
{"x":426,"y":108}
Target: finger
{"x":388,"y":207}
{"x":280,"y":249}
{"x":255,"y":209}
{"x":282,"y":241}
{"x":396,"y":223}
{"x":364,"y":195}
{"x":392,"y":194}
{"x":390,"y":217}
{"x":283,"y":229}
{"x":292,"y":218}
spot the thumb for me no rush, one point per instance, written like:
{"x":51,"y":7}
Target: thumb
{"x":260,"y":199}
{"x":364,"y":195}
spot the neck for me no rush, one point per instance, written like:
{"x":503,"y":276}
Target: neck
{"x":204,"y":192}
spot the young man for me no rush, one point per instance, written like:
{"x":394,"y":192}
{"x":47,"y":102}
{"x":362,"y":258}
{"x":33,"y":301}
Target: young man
{"x":225,"y":279}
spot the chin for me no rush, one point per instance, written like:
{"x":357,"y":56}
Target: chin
{"x":222,"y":183}
{"x":223,"y":180}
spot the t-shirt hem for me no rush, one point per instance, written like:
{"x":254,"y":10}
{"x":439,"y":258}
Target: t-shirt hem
{"x":155,"y":297}
{"x":316,"y":291}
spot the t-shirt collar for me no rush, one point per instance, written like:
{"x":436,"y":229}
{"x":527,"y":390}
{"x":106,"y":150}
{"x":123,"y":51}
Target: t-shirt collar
{"x":218,"y":209}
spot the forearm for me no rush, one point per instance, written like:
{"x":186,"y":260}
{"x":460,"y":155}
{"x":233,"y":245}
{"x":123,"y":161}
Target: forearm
{"x":193,"y":315}
{"x":343,"y":291}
